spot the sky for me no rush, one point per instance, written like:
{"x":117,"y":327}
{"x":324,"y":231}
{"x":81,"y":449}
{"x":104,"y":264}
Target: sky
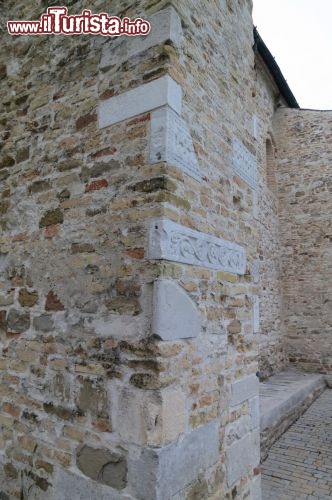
{"x":298,"y":34}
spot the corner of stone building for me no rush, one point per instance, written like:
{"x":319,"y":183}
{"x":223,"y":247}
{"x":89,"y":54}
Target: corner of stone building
{"x":127,"y":304}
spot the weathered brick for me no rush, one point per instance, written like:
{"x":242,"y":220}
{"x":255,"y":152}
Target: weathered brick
{"x":96,"y":185}
{"x":84,"y":121}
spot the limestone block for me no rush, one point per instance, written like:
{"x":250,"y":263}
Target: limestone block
{"x":70,"y":486}
{"x":242,"y":456}
{"x":255,"y":272}
{"x":237,"y":429}
{"x":165,"y":25}
{"x":244,"y":163}
{"x":173,"y":415}
{"x":256,"y":488}
{"x":171,"y":142}
{"x":150,"y":418}
{"x":152,"y":95}
{"x":175,"y":316}
{"x":171,"y":241}
{"x":255,"y":126}
{"x":254,"y":412}
{"x":244,"y":389}
{"x":158,"y":474}
{"x":255,"y":314}
{"x":255,"y":211}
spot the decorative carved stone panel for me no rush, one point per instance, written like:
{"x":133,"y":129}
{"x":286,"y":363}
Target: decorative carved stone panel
{"x":244,"y":163}
{"x":171,"y":142}
{"x":171,"y":241}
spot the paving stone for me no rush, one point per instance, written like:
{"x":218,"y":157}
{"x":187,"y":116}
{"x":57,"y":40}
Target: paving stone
{"x":286,"y":472}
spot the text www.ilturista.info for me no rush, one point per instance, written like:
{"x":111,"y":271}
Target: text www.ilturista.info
{"x":57,"y":22}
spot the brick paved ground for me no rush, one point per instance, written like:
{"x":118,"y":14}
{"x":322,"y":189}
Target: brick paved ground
{"x":299,"y":465}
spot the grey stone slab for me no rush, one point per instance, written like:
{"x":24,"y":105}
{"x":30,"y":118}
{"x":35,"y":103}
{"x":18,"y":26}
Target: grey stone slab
{"x":158,"y":474}
{"x":242,"y":456}
{"x":237,"y":429}
{"x":165,"y":25}
{"x":255,"y":272}
{"x":283,"y":392}
{"x":171,"y":142}
{"x":256,"y":489}
{"x":254,"y":411}
{"x":70,"y":486}
{"x":171,"y":241}
{"x":160,"y":92}
{"x":244,"y":163}
{"x":175,"y":316}
{"x":244,"y":389}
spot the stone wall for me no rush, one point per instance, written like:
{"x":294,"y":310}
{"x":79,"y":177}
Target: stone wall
{"x":267,"y":276}
{"x":304,"y":176}
{"x":138,"y":257}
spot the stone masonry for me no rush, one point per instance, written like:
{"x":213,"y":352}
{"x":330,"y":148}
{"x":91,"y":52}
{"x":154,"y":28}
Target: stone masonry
{"x":304,"y":172}
{"x":143,"y":254}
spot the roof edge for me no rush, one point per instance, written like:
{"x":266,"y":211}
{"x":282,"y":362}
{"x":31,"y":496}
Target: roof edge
{"x":269,"y":60}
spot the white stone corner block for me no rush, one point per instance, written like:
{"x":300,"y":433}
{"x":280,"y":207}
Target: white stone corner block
{"x":161,"y":92}
{"x":244,"y":163}
{"x":161,"y":473}
{"x":242,"y":456}
{"x":175,"y":316}
{"x":244,"y":389}
{"x":165,"y":25}
{"x":171,"y":142}
{"x":174,"y":242}
{"x":256,"y":488}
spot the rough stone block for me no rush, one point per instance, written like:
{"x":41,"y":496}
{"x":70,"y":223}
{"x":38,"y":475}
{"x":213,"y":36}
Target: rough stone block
{"x":43,"y":323}
{"x":152,"y":95}
{"x":171,"y":142}
{"x":17,"y":321}
{"x":165,"y":26}
{"x":242,"y":456}
{"x":103,"y":466}
{"x":175,"y":315}
{"x":171,"y":241}
{"x":243,"y":389}
{"x":158,"y":474}
{"x":26,"y":298}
